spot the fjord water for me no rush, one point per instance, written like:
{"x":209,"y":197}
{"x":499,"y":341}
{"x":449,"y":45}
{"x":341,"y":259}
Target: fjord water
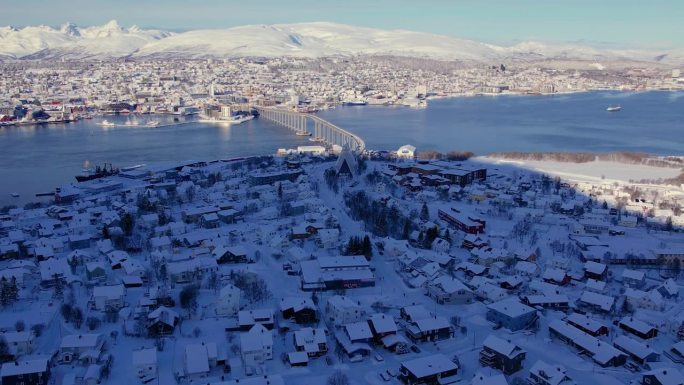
{"x":40,"y":158}
{"x":651,"y":122}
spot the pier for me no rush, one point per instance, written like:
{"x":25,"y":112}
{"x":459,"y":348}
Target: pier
{"x":321,"y":130}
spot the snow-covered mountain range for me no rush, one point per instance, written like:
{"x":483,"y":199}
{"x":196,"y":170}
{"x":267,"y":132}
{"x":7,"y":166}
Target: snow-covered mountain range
{"x":300,"y":40}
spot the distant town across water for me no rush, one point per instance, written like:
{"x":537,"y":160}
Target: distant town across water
{"x":39,"y":158}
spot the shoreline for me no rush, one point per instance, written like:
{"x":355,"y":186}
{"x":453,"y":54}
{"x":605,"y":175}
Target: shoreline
{"x":393,"y":104}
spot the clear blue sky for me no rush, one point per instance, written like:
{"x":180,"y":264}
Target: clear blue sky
{"x":642,"y":23}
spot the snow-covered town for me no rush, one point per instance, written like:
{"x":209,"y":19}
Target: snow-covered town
{"x":54,"y":92}
{"x":344,"y":268}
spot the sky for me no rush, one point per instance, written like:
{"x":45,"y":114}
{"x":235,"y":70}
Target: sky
{"x":614,"y":23}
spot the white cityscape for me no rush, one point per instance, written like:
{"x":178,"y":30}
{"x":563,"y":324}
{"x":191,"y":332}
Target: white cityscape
{"x":331,"y":262}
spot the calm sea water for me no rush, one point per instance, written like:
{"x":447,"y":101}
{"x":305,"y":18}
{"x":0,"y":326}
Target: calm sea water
{"x":40,"y":158}
{"x":652,"y":122}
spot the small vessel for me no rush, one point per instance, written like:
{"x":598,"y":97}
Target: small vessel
{"x":355,"y":102}
{"x":613,"y":108}
{"x":152,"y":123}
{"x":303,"y":133}
{"x":131,"y":123}
{"x":106,"y":123}
{"x":240,"y":118}
{"x":15,"y":195}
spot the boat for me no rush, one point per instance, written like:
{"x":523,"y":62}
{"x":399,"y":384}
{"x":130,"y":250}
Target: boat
{"x":131,"y":123}
{"x":99,"y":172}
{"x":316,"y":139}
{"x":106,"y":123}
{"x":303,"y":133}
{"x":613,"y":108}
{"x":152,"y":123}
{"x":355,"y":102}
{"x":234,"y":119}
{"x":15,"y":195}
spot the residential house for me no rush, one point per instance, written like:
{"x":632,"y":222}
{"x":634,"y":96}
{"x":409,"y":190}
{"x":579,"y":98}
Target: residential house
{"x":301,"y":309}
{"x":586,"y":324}
{"x":248,"y":318}
{"x":601,"y":352}
{"x":343,"y":310}
{"x":597,"y":302}
{"x":19,"y":343}
{"x":501,"y":354}
{"x":145,"y":363}
{"x":228,"y":301}
{"x":633,"y":278}
{"x":230,"y":254}
{"x":433,"y":369}
{"x":162,"y":321}
{"x":73,"y":346}
{"x":382,"y":325}
{"x":595,"y":270}
{"x":542,"y":373}
{"x":638,"y":351}
{"x":312,"y":341}
{"x":448,"y":290}
{"x":106,"y":298}
{"x":256,"y":346}
{"x":199,"y":359}
{"x":511,"y":314}
{"x":429,"y":328}
{"x":663,"y":376}
{"x":638,"y":327}
{"x":33,"y":371}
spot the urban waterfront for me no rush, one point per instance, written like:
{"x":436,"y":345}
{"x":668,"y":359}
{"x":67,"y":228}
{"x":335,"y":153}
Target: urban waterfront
{"x":40,"y":158}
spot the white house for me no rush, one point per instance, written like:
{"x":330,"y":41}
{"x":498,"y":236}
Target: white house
{"x":199,"y":359}
{"x":228,"y":301}
{"x":446,"y":289}
{"x":256,"y":346}
{"x":19,"y":343}
{"x":74,"y":345}
{"x":342,"y":310}
{"x":108,"y":297}
{"x":145,"y":363}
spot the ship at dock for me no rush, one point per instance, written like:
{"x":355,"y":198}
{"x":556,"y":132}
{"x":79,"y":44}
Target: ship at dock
{"x":99,"y":172}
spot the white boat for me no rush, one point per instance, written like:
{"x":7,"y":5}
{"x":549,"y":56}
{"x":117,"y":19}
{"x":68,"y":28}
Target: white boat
{"x":235,"y":119}
{"x":15,"y":195}
{"x":131,"y":123}
{"x":152,"y":123}
{"x":613,"y":108}
{"x":303,"y":133}
{"x":106,"y":123}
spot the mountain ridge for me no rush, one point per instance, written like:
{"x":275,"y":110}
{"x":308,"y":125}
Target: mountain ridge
{"x":314,"y":39}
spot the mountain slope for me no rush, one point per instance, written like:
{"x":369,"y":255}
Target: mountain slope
{"x":298,"y":40}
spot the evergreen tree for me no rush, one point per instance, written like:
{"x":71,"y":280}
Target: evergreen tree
{"x":367,"y":247}
{"x":424,"y":213}
{"x":59,"y":287}
{"x":77,"y":317}
{"x":5,"y":354}
{"x":406,"y":232}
